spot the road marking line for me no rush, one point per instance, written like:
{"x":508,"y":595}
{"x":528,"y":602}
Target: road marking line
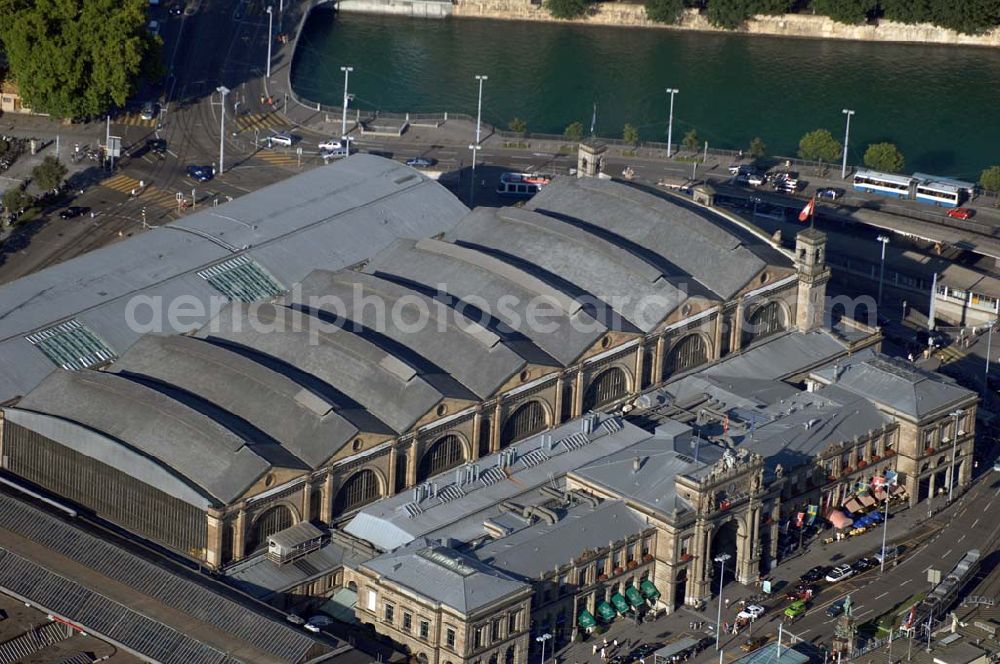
{"x":945,"y":554}
{"x":927,"y":568}
{"x":882,"y":595}
{"x":864,"y":612}
{"x":905,"y":582}
{"x":960,"y":538}
{"x":975,"y":522}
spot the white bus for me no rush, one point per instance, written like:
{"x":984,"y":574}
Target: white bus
{"x":887,"y":184}
{"x":938,"y":193}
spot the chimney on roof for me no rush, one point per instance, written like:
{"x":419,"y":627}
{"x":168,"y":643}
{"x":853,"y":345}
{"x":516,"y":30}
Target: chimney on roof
{"x":636,"y":465}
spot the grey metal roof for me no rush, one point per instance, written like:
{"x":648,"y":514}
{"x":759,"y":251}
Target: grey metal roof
{"x":293,"y":536}
{"x":301,"y":421}
{"x":497,"y":294}
{"x":461,"y":503}
{"x":659,"y":464}
{"x":581,"y":264}
{"x":769,"y":654}
{"x":895,"y":384}
{"x":781,"y":357}
{"x":465,"y":350}
{"x":328,"y":217}
{"x":362,"y":380}
{"x":686,"y":245}
{"x":127,"y":416}
{"x":260,"y":577}
{"x":445,"y":576}
{"x":542,"y":547}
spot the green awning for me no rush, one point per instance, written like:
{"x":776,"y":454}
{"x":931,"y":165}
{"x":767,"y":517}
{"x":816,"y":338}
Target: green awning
{"x":620,"y":604}
{"x":586,"y":619}
{"x":649,"y":590}
{"x":605,"y":611}
{"x":634,"y":598}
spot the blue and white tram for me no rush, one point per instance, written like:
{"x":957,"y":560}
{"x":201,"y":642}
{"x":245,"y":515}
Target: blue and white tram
{"x":887,"y":184}
{"x":938,"y":193}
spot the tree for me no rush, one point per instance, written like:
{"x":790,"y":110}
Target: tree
{"x":14,"y":199}
{"x":990,"y":179}
{"x":845,"y":11}
{"x":574,"y":131}
{"x":74,"y":59}
{"x":884,"y":157}
{"x":691,"y":140}
{"x":757,"y":148}
{"x":517,"y":125}
{"x":630,"y":134}
{"x":819,"y":145}
{"x":49,"y":174}
{"x":567,"y":8}
{"x":664,"y":11}
{"x":729,"y":14}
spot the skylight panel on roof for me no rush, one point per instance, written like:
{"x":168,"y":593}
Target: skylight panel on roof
{"x":448,"y":562}
{"x":242,"y":279}
{"x":71,"y":345}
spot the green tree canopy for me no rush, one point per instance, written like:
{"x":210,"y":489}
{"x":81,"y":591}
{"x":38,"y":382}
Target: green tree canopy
{"x":630,"y":134}
{"x":664,"y":11}
{"x":567,"y":8}
{"x":990,"y":179}
{"x":49,"y":174}
{"x":729,"y":14}
{"x":691,"y":140}
{"x":574,"y":131}
{"x":757,"y":148}
{"x":819,"y":145}
{"x":846,"y":11}
{"x":75,"y":58}
{"x":14,"y":199}
{"x":517,"y":125}
{"x":884,"y":157}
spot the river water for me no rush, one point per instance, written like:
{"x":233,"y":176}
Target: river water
{"x":939,"y":104}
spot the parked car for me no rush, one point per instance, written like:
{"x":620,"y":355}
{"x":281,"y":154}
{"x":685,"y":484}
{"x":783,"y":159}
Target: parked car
{"x":864,"y":564}
{"x":154,"y":28}
{"x":177,"y":10}
{"x":157,"y":145}
{"x":751,"y":612}
{"x":148,"y":111}
{"x":753,"y":643}
{"x":201,"y":173}
{"x":829,"y":193}
{"x":960,"y":213}
{"x":330,"y":144}
{"x":796,"y":609}
{"x":420,"y":162}
{"x":892,"y":551}
{"x":318,"y":622}
{"x":836,"y":608}
{"x":839,"y":573}
{"x":295,"y":619}
{"x":74,"y":211}
{"x":996,"y":465}
{"x":755,"y":179}
{"x":815,"y":574}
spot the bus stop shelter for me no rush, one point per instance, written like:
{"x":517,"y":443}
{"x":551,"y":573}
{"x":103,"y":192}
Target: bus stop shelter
{"x":666,"y":654}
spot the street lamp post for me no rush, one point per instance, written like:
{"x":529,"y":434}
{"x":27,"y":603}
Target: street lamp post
{"x":957,"y":414}
{"x":343,"y":120}
{"x":885,"y":530}
{"x":847,"y":135}
{"x":270,"y":37}
{"x":884,"y":239}
{"x":222,"y":90}
{"x":475,"y":148}
{"x":986,"y":374}
{"x":670,"y":122}
{"x":721,"y":559}
{"x":542,"y":638}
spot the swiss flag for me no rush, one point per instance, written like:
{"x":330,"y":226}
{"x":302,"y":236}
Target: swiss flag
{"x":808,"y":210}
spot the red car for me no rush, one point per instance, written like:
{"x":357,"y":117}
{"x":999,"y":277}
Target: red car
{"x":960,"y":213}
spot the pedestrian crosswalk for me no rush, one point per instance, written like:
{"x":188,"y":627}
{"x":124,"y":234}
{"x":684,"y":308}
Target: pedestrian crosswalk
{"x":278,"y":158}
{"x":146,"y":195}
{"x":262,"y":122}
{"x":134,"y":120}
{"x":950,"y":354}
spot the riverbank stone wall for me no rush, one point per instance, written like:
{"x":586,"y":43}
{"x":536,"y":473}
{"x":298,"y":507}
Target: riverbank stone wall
{"x":787,"y":25}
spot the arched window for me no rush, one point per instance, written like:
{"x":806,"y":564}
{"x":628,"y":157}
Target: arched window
{"x":527,"y":420}
{"x":400,"y":471}
{"x":360,"y":489}
{"x":271,"y":521}
{"x":765,"y":320}
{"x":688,"y":353}
{"x":607,"y":386}
{"x":444,"y":454}
{"x":227,"y":543}
{"x":508,"y":657}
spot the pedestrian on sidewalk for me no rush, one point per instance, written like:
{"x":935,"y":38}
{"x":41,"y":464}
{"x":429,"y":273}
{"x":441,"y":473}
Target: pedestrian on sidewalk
{"x":604,"y":655}
{"x":593,"y":649}
{"x":605,"y":642}
{"x":614,"y":644}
